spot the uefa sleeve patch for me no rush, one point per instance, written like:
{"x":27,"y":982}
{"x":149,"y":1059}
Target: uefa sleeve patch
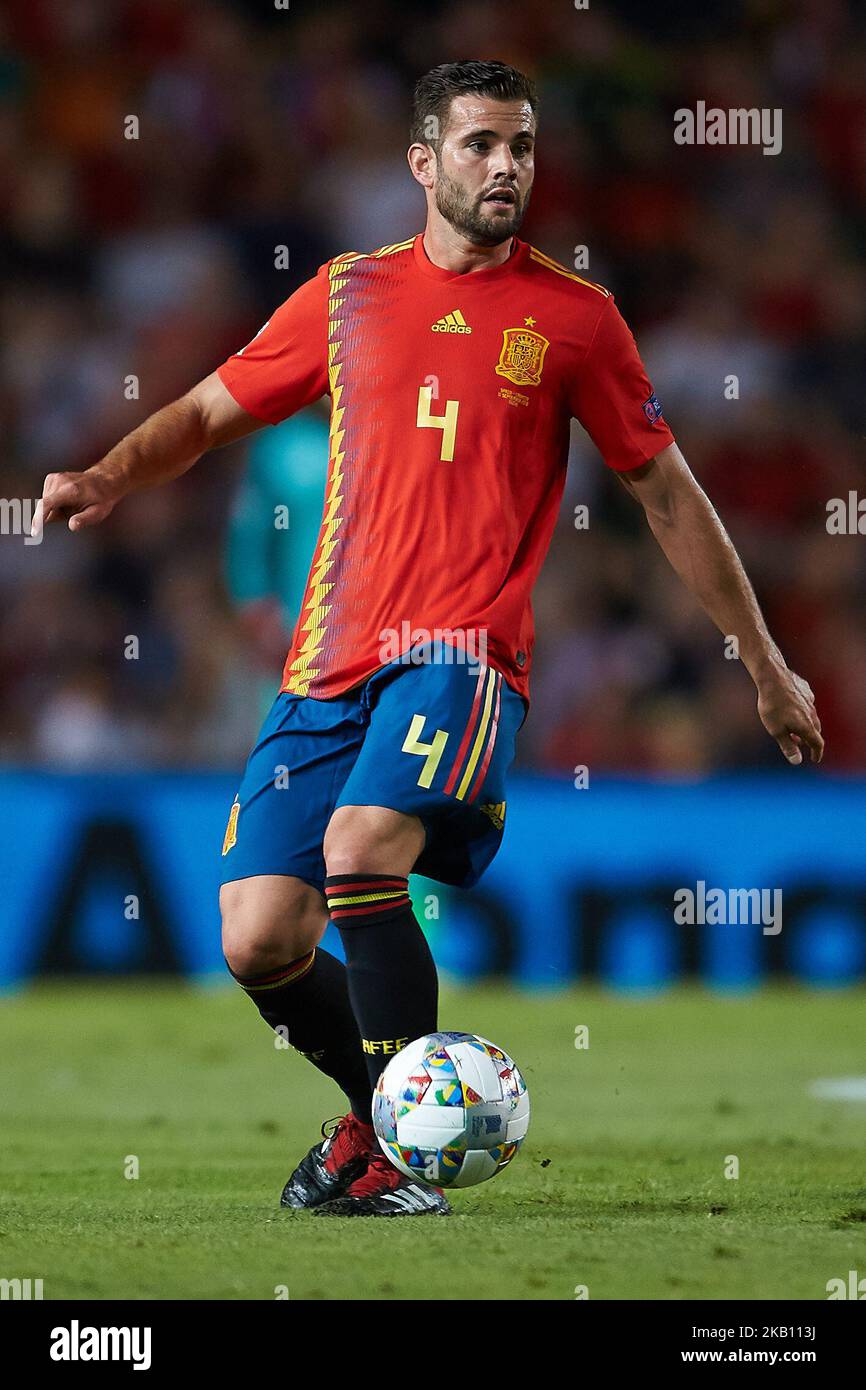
{"x":652,"y":409}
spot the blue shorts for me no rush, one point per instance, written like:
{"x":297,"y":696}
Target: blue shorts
{"x":431,"y":738}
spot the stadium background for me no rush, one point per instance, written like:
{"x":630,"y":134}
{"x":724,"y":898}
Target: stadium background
{"x":155,"y":257}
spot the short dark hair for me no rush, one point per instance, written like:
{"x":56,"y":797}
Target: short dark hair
{"x":435,"y":91}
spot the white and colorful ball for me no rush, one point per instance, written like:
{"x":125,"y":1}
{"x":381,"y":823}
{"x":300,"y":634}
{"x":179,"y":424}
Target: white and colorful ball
{"x":451,"y":1109}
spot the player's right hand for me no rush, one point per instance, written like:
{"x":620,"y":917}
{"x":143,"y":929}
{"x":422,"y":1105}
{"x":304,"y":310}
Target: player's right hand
{"x":84,"y":499}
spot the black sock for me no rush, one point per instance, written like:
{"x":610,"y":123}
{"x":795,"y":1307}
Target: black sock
{"x":309,"y":998}
{"x":392,"y":978}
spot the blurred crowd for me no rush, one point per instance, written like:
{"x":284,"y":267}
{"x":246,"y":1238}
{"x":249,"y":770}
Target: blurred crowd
{"x":133,"y":266}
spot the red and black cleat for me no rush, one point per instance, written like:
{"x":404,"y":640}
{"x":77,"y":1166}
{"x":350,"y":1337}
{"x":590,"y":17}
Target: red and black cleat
{"x":331,"y":1167}
{"x":385,"y":1191}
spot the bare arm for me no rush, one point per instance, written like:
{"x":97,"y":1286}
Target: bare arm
{"x":686,"y":526}
{"x":162,"y":448}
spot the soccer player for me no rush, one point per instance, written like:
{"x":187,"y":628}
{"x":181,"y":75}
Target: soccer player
{"x":454,"y":361}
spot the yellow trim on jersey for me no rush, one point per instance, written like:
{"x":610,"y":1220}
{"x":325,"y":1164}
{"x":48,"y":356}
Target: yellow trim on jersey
{"x":346,"y":257}
{"x":549,"y":264}
{"x":389,"y":250}
{"x":315,"y":610}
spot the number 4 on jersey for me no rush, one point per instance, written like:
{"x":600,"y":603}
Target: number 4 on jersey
{"x":447,"y":423}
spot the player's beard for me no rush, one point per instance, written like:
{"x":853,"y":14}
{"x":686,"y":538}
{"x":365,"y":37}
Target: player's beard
{"x":480,"y":222}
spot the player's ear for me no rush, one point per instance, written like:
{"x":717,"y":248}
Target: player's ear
{"x":422,"y":162}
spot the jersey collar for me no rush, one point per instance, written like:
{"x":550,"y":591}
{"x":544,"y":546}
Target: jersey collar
{"x":437,"y":272}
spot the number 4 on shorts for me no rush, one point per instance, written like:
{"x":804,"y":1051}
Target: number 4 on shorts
{"x":430,"y":752}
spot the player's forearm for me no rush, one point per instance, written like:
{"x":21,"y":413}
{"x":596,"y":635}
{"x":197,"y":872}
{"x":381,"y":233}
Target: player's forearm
{"x":163,"y":447}
{"x":690,"y":533}
{"x":702,"y":554}
{"x":166,"y":445}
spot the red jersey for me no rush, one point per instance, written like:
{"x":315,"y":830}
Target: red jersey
{"x":451,"y":397}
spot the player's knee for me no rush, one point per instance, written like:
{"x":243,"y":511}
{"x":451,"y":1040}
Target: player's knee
{"x":246,"y":957}
{"x":263,"y":929}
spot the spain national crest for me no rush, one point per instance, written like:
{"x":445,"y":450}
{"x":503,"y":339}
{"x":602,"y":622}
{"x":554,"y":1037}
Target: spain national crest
{"x":522,"y":356}
{"x":231,"y":835}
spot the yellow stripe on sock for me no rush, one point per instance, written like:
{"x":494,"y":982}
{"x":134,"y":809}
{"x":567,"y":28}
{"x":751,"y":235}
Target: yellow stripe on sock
{"x":366,"y":898}
{"x":287,"y":979}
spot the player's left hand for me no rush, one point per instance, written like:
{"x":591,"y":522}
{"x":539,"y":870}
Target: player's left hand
{"x":786,"y":706}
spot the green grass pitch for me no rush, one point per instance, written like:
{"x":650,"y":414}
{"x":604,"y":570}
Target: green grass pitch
{"x":620,"y":1186}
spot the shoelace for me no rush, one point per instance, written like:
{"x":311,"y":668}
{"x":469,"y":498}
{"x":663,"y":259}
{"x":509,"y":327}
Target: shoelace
{"x":346,"y":1139}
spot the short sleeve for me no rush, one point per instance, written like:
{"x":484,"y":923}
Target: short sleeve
{"x":285,"y":366}
{"x":612,"y":397}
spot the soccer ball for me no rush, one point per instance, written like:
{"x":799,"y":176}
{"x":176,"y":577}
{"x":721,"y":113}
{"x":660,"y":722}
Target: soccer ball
{"x":451,"y":1109}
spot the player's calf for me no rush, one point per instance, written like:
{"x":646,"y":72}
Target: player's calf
{"x":369,"y":852}
{"x":391,"y":973}
{"x":271,"y":928}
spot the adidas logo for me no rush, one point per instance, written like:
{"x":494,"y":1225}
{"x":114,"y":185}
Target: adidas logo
{"x":495,"y":810}
{"x":451,"y":323}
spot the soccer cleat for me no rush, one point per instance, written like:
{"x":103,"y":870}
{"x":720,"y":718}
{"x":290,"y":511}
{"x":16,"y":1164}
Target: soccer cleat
{"x":332,"y":1166}
{"x":385,"y":1191}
